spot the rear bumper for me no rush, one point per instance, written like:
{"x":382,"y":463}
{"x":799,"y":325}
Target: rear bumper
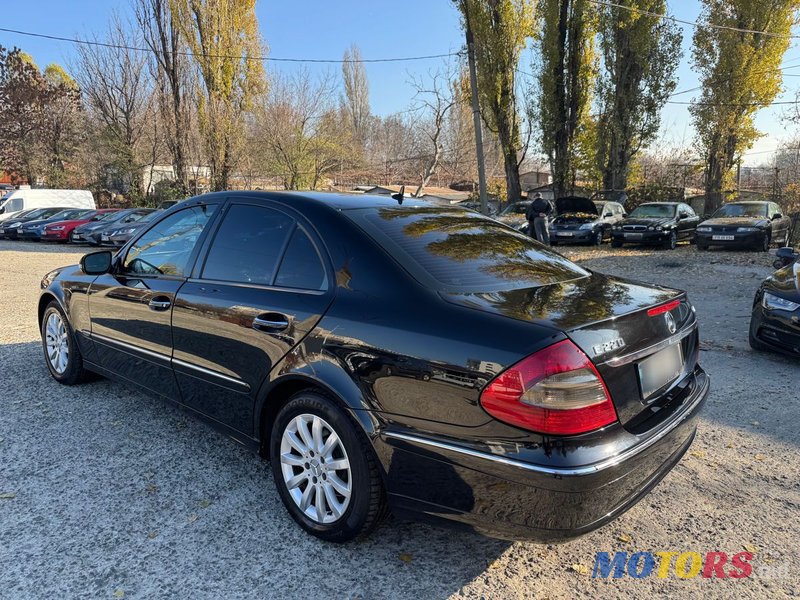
{"x":740,"y":240}
{"x":502,"y":496}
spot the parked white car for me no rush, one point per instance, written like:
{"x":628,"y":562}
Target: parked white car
{"x":25,"y":199}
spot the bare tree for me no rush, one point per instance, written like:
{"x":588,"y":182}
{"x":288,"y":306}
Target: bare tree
{"x":433,"y":100}
{"x":169,"y":66}
{"x":117,"y":90}
{"x":356,"y":93}
{"x":299,"y":130}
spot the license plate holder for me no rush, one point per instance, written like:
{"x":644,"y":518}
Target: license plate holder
{"x":660,"y":369}
{"x":103,"y":238}
{"x":722,"y":238}
{"x":633,"y":236}
{"x":564,"y":233}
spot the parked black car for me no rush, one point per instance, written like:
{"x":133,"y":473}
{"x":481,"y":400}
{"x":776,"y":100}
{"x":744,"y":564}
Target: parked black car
{"x":581,"y":220}
{"x":119,"y":234}
{"x":745,"y":225}
{"x":513,"y":215}
{"x":9,"y":227}
{"x":775,"y":321}
{"x":34,"y":230}
{"x":661,"y":223}
{"x":422,"y":358}
{"x":91,"y":233}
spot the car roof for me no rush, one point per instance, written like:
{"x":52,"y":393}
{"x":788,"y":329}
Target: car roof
{"x":661,"y":203}
{"x":747,"y":202}
{"x":336,"y":200}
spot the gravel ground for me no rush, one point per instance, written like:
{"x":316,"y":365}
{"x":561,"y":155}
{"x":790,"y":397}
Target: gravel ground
{"x":107,"y":493}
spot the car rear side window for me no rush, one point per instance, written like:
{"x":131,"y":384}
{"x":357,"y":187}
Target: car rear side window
{"x":301,"y":266}
{"x":248,"y":245}
{"x":463,"y":252}
{"x":166,"y":248}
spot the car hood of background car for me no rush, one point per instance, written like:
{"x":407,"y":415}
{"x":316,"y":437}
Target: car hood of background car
{"x":786,"y":282}
{"x":38,"y":223}
{"x":569,"y":304}
{"x":69,"y":223}
{"x":736,"y":222}
{"x":577,"y":205}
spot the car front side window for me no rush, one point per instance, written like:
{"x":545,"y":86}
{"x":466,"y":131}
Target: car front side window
{"x":167,"y":247}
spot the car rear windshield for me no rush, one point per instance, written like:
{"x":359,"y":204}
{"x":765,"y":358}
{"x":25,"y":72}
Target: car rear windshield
{"x":742,"y":210}
{"x":459,"y":251}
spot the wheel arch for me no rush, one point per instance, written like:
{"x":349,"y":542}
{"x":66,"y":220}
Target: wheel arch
{"x":46,"y":298}
{"x":336,"y":386}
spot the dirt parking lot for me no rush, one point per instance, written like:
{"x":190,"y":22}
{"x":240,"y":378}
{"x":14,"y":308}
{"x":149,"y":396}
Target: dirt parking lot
{"x":107,"y":493}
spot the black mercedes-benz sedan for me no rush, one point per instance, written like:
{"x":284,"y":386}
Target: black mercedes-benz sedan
{"x":775,"y":321}
{"x":745,"y":225}
{"x":579,"y":220}
{"x":422,"y":359}
{"x":661,"y":223}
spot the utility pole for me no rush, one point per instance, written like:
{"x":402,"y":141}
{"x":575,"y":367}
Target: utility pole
{"x":476,"y":111}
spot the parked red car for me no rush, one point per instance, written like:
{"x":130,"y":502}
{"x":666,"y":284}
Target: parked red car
{"x":60,"y":230}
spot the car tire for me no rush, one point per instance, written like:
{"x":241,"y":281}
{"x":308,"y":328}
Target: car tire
{"x":671,"y":242}
{"x":616,"y":244}
{"x":598,"y":238}
{"x":302,"y":477}
{"x":765,"y":244}
{"x":61,"y":352}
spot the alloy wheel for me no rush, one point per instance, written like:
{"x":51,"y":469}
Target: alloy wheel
{"x":57,"y":343}
{"x":315,"y":468}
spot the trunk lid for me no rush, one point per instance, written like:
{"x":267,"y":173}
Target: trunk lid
{"x":608,"y":319}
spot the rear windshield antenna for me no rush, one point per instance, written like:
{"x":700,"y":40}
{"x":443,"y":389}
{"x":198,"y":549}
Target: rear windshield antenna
{"x":399,"y":195}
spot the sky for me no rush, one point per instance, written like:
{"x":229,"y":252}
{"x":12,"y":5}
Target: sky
{"x":382,"y":29}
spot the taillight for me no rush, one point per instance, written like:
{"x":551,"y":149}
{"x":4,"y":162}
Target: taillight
{"x":664,"y":308}
{"x":555,"y":391}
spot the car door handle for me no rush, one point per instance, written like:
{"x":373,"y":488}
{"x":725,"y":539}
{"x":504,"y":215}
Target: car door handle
{"x":159,"y":303}
{"x":271,"y":322}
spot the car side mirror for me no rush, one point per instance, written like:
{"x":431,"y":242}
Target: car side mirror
{"x":97,"y":263}
{"x":605,"y":216}
{"x":777,"y":216}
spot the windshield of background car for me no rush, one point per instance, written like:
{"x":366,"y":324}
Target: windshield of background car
{"x":518,"y":208}
{"x":600,"y":206}
{"x":650,"y":211}
{"x":741,"y":210}
{"x":463,"y":252}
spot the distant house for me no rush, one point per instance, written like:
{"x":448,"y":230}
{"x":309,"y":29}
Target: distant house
{"x":534,"y":179}
{"x":438,"y":195}
{"x":155,"y":174}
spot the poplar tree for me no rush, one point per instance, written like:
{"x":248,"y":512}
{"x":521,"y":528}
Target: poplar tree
{"x":739,"y":72}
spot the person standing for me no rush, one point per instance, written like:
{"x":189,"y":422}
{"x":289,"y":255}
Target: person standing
{"x":537,"y":219}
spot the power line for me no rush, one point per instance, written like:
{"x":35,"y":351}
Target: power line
{"x":761,"y":104}
{"x":229,"y":57}
{"x":695,"y":24}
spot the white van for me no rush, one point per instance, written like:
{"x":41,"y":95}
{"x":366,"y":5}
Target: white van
{"x":25,"y":199}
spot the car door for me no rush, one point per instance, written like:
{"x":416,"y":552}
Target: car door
{"x":780,"y":227}
{"x":262,"y":286}
{"x":687,"y":222}
{"x":131,"y":307}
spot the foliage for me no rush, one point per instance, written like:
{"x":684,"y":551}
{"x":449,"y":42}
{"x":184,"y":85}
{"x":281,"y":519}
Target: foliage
{"x":39,"y":119}
{"x":640,"y":55}
{"x":499,"y":30}
{"x":567,"y":67}
{"x":739,"y":73}
{"x":226,"y":46}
